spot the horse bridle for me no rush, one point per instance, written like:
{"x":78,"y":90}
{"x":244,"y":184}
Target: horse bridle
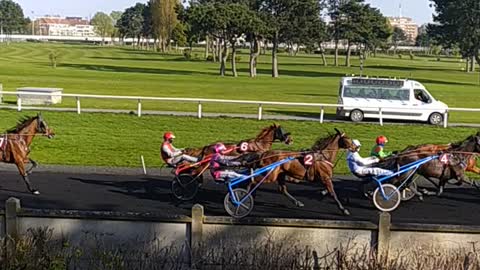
{"x":281,"y":135}
{"x":41,"y":123}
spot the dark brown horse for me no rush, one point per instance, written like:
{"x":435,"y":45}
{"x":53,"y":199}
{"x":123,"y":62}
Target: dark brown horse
{"x":263,"y":142}
{"x":314,"y":165}
{"x":17,"y":145}
{"x":454,"y":161}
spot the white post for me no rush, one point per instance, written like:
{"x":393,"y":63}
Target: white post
{"x":381,"y":116}
{"x":1,"y":95}
{"x":260,"y":110}
{"x":143,"y":165}
{"x":445,"y":119}
{"x":78,"y":106}
{"x":19,"y":103}
{"x":322,"y":113}
{"x":139,"y":108}
{"x":199,"y":110}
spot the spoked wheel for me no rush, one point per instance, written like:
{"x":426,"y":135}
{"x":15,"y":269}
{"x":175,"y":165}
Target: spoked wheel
{"x":409,"y":192}
{"x":184,"y":187}
{"x":241,"y":210}
{"x":392,"y":201}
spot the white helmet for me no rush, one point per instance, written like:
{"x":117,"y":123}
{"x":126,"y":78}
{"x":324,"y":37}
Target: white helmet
{"x":356,"y":143}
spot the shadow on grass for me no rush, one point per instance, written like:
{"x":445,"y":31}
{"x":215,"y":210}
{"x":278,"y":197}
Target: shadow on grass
{"x":171,"y":59}
{"x":110,"y":68}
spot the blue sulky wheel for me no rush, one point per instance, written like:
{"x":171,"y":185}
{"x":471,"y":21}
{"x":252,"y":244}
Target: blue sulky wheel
{"x":242,"y":209}
{"x":392,"y":201}
{"x":184,"y":187}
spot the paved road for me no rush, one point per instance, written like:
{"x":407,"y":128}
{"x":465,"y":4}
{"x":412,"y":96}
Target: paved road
{"x":71,"y":191}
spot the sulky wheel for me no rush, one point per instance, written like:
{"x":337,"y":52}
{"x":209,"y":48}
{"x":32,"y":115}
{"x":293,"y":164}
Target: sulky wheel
{"x":409,"y":192}
{"x":184,"y":187}
{"x":392,"y":201}
{"x":244,"y":207}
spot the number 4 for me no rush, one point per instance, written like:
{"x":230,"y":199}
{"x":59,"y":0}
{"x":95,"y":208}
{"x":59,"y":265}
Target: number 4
{"x":444,"y":159}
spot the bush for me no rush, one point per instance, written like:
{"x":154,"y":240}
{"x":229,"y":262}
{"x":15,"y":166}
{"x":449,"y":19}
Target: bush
{"x":400,"y":56}
{"x":210,"y":58}
{"x":187,"y":54}
{"x":55,"y":57}
{"x":195,"y":56}
{"x":412,"y":56}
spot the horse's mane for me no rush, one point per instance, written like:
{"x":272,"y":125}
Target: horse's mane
{"x":264,"y":131}
{"x":22,"y":123}
{"x":322,"y":143}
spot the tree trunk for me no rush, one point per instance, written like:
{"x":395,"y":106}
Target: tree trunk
{"x":254,"y":53}
{"x":395,"y":49}
{"x":467,"y":64}
{"x":375,"y":52}
{"x":223,"y":58}
{"x":472,"y":64}
{"x":477,"y":57}
{"x":274,"y":56}
{"x":212,"y":49}
{"x":349,"y":52}
{"x":234,"y":53}
{"x":335,"y":60}
{"x":207,"y":46}
{"x":322,"y":51}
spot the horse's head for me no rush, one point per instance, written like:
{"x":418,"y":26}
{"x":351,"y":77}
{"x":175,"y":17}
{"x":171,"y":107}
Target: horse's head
{"x":281,"y":135}
{"x":42,"y":127}
{"x":344,"y":141}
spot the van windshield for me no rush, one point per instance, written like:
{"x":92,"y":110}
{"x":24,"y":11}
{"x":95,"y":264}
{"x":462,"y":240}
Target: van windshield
{"x":376,"y":93}
{"x":422,"y":95}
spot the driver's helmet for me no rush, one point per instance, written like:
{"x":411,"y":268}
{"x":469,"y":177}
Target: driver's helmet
{"x":356,"y":143}
{"x":219,"y":148}
{"x":381,"y":140}
{"x":168,"y":136}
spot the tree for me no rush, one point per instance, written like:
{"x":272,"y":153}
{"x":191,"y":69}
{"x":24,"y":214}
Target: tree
{"x":164,"y":18}
{"x":103,"y":24}
{"x":336,"y":18}
{"x":12,"y":19}
{"x":458,"y":23}
{"x":179,"y":36}
{"x":131,"y":22}
{"x":116,"y":16}
{"x":398,"y":37}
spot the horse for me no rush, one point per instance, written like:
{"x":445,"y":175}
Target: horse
{"x":454,"y":161}
{"x":261,"y":143}
{"x":313,"y":165}
{"x":16,"y":145}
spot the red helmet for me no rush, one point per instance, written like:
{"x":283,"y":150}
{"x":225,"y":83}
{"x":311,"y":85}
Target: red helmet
{"x":381,"y":140}
{"x":168,"y":136}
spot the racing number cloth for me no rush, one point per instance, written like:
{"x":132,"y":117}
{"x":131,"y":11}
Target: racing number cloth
{"x":3,"y":142}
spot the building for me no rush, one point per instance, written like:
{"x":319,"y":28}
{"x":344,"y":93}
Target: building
{"x":60,"y":26}
{"x":407,"y":25}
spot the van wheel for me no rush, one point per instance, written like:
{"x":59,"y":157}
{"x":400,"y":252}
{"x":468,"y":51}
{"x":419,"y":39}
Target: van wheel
{"x":356,"y":116}
{"x":435,"y":119}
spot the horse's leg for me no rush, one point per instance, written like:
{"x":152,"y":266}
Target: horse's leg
{"x":23,"y":173}
{"x":430,"y":193}
{"x":34,"y":165}
{"x":282,"y":186}
{"x":329,"y":184}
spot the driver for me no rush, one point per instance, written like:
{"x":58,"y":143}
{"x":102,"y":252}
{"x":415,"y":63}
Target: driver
{"x":379,"y":149}
{"x":220,"y":161}
{"x":171,"y":155}
{"x":361,"y":166}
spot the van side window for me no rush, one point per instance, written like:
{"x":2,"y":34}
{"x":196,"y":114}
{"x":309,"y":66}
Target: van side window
{"x":421,"y":95}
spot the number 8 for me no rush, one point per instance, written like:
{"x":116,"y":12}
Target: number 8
{"x":309,"y":160}
{"x":244,"y":146}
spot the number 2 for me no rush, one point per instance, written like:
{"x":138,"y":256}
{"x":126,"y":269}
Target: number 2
{"x":309,"y":160}
{"x":244,"y":146}
{"x":444,"y":159}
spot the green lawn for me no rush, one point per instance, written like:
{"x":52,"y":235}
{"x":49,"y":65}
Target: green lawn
{"x":119,"y":140}
{"x":89,"y":69}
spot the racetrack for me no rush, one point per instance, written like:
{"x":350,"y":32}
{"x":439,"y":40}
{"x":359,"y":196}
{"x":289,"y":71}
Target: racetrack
{"x":458,"y":205}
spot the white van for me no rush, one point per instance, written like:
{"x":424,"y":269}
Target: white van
{"x":361,"y":97}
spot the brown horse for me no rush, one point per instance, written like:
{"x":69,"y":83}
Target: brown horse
{"x":17,"y":145}
{"x":313,"y":165}
{"x":459,"y":157}
{"x":263,"y":142}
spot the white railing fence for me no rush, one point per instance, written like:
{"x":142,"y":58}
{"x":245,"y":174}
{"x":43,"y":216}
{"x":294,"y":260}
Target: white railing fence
{"x":200,"y":101}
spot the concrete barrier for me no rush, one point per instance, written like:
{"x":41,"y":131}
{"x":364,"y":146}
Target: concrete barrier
{"x":26,"y":96}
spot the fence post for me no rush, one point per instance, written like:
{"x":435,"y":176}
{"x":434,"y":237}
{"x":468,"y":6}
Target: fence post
{"x":19,"y":103}
{"x":380,"y":115}
{"x":322,"y":114}
{"x":1,"y":95}
{"x":383,"y":239}
{"x":12,"y":207}
{"x":78,"y":106}
{"x":196,"y":230}
{"x":260,"y":111}
{"x":199,"y":110}
{"x":445,"y":119}
{"x":139,"y":108}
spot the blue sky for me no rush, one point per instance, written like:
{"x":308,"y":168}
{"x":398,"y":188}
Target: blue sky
{"x":419,"y":10}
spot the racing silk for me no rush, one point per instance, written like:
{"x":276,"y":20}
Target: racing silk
{"x":3,"y":142}
{"x":356,"y":163}
{"x":168,"y":152}
{"x":379,"y":151}
{"x":219,"y":162}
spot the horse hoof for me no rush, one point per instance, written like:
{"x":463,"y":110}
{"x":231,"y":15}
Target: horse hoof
{"x":300,"y":204}
{"x":420,"y":198}
{"x":36,"y":192}
{"x":346,"y":212}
